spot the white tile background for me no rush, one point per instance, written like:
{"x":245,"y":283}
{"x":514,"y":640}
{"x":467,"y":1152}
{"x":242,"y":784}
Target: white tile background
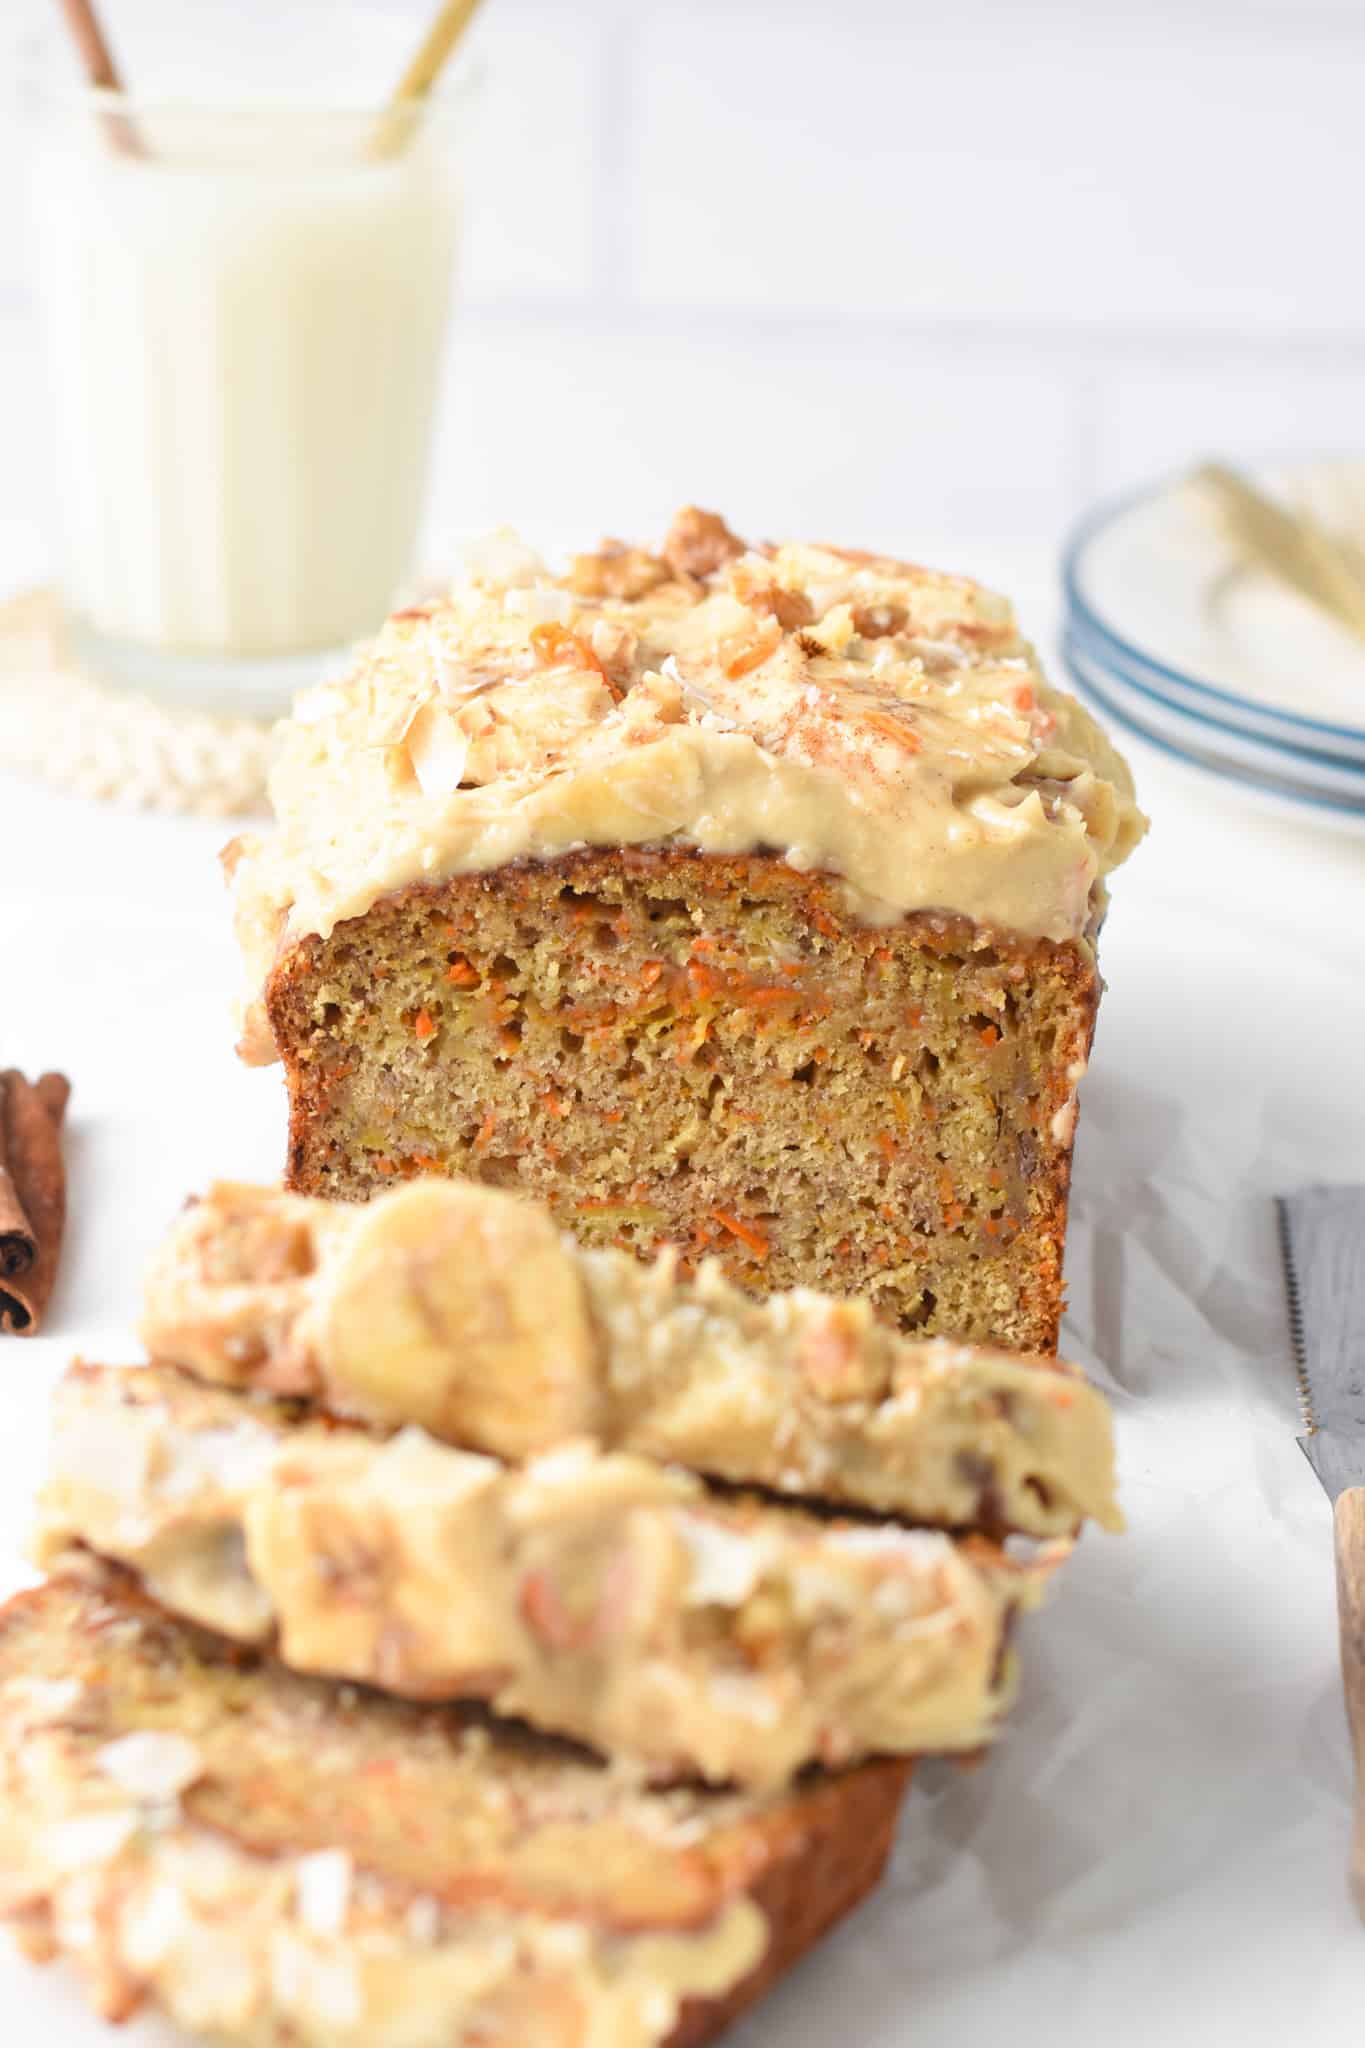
{"x":883,"y":268}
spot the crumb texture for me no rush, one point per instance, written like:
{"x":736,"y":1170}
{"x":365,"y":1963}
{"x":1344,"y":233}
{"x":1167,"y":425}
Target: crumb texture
{"x":709,"y":1054}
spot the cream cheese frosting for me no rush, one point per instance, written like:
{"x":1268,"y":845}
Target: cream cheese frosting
{"x":877,"y":721}
{"x":592,"y":1593}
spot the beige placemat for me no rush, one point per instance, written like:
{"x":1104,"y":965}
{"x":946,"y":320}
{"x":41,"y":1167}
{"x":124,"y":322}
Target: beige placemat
{"x":72,"y":729}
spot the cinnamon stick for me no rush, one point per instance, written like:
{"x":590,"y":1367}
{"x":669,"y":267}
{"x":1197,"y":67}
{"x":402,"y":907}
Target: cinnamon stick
{"x":32,"y":1195}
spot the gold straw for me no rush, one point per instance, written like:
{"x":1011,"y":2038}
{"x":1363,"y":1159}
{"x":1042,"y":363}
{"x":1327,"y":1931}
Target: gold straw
{"x":396,"y":122}
{"x":97,"y":62}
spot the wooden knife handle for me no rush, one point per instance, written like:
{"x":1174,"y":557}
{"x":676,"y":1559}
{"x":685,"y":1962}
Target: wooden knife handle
{"x":1350,"y":1546}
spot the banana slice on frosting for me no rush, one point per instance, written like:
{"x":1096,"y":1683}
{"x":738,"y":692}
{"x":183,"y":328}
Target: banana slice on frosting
{"x":458,"y":1307}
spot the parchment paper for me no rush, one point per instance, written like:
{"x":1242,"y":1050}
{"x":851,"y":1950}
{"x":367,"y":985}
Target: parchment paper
{"x":1156,"y":1851}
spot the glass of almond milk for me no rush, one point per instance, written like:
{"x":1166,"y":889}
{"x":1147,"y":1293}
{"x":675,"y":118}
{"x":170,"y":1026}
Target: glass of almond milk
{"x":242,"y":310}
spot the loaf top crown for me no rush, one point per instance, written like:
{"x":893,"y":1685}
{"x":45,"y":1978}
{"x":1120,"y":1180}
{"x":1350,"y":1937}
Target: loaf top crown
{"x":881,"y":722}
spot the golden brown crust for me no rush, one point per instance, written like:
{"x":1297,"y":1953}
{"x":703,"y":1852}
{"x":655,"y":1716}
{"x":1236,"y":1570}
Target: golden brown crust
{"x":837,"y":1859}
{"x":1005,"y":1288}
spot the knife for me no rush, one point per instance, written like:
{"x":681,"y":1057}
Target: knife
{"x":1322,"y":1239}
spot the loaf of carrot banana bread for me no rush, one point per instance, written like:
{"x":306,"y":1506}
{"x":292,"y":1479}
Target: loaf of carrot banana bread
{"x":463,"y":1308}
{"x":598,"y":1595}
{"x":736,"y":899}
{"x":286,"y":1864}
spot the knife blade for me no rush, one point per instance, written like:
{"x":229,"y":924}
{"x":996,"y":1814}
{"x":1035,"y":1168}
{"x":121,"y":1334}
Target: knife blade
{"x":1322,"y":1241}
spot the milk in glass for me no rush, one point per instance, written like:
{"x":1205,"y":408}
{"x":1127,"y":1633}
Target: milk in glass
{"x":243,"y":315}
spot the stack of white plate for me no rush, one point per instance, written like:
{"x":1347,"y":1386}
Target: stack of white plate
{"x":1171,"y":635}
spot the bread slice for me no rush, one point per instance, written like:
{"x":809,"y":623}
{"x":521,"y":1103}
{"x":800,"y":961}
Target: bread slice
{"x":466,"y":1310}
{"x":287,"y":1864}
{"x":602,"y":1596}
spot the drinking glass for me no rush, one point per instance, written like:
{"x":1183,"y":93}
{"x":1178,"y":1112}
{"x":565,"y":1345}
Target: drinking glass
{"x":243,"y":308}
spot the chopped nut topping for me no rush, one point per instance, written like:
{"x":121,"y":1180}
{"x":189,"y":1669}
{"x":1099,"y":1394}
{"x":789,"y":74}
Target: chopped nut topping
{"x":699,"y":543}
{"x":876,"y":621}
{"x":617,"y":571}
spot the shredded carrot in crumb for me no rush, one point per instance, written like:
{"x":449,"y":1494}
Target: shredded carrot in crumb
{"x":824,"y":924}
{"x":992,"y":1226}
{"x":887,"y":1145}
{"x":423,"y":1025}
{"x":462,"y":974}
{"x":590,"y":1016}
{"x":747,"y":1233}
{"x":427,"y":1162}
{"x":989,"y":1036}
{"x":612,"y":1116}
{"x":381,"y":1163}
{"x":881,"y":952}
{"x":484,"y":1137}
{"x":554,"y":1102}
{"x":651,"y":972}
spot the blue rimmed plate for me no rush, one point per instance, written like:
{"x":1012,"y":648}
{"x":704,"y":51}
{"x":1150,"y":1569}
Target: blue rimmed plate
{"x":1272,"y":776}
{"x":1154,"y":584}
{"x":1124,"y":683}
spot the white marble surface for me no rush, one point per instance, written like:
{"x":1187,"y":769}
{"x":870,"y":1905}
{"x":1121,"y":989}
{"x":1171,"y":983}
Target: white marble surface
{"x":1157,"y":1851}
